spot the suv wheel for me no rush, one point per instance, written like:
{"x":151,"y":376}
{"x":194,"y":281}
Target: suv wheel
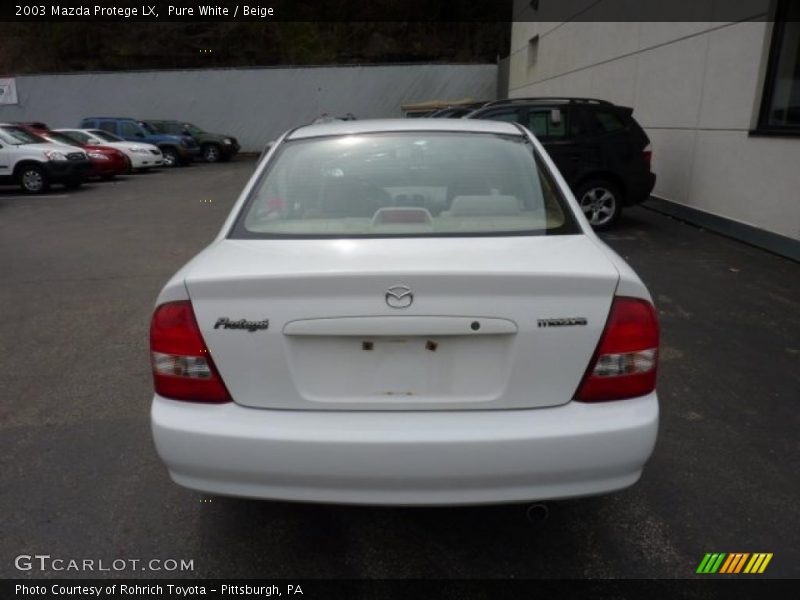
{"x":601,"y":203}
{"x":33,"y":180}
{"x":170,"y":157}
{"x":212,"y":153}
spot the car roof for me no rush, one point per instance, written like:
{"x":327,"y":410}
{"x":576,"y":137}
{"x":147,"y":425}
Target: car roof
{"x":392,"y":125}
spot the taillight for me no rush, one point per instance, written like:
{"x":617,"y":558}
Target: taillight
{"x":625,"y":362}
{"x":182,"y":366}
{"x":647,"y":153}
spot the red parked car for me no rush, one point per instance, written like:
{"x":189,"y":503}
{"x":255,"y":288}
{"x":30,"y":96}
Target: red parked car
{"x":106,"y":162}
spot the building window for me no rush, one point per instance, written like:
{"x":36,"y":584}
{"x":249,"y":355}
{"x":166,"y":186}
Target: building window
{"x":533,"y":51}
{"x":780,"y":107}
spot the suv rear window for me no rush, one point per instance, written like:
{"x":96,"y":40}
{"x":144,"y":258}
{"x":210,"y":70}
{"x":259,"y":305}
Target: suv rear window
{"x":607,"y":121}
{"x":425,"y":184}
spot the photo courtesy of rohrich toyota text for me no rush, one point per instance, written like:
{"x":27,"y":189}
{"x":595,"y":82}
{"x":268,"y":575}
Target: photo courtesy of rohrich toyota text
{"x":400,"y":299}
{"x":156,"y":590}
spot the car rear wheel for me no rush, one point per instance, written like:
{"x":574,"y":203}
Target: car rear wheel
{"x":601,"y":203}
{"x":33,"y":180}
{"x":211,"y":153}
{"x":171,"y":158}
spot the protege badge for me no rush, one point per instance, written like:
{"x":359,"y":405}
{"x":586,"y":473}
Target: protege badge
{"x":564,"y":322}
{"x":250,"y":326}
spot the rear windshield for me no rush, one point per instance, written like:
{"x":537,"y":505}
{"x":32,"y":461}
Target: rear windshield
{"x":421,"y":184}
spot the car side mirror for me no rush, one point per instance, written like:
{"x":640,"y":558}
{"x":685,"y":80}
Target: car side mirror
{"x":555,"y":116}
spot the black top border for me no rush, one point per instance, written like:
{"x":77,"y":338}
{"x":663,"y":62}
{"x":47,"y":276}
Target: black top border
{"x":348,"y":11}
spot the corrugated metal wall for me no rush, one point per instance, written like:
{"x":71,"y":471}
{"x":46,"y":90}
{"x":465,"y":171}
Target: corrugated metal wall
{"x":255,"y":105}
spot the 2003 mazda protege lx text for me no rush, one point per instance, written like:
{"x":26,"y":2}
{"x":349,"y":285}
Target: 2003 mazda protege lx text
{"x":405,"y":312}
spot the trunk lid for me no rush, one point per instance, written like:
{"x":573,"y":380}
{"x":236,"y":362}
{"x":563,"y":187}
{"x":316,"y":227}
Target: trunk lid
{"x":474,"y":336}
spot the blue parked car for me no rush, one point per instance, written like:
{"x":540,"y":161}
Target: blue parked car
{"x":177,"y":149}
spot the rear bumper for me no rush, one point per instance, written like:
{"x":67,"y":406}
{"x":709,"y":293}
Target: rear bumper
{"x":639,"y":188}
{"x":406,"y":458}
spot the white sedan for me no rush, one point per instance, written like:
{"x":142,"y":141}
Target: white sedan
{"x":142,"y":156}
{"x":408,"y":312}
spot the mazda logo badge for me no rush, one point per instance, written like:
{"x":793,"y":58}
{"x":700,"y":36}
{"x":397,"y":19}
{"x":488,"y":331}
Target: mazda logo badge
{"x":399,"y":296}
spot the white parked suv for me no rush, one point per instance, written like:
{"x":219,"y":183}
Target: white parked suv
{"x":34,"y":163}
{"x":405,"y":312}
{"x":142,"y":156}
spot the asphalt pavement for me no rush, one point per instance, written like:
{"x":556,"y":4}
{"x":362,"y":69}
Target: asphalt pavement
{"x":80,"y":479}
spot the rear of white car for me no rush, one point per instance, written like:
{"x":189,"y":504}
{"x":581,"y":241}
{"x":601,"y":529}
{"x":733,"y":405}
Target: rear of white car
{"x":405,"y":313}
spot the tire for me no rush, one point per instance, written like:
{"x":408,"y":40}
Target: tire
{"x":33,"y":180}
{"x":601,"y":203}
{"x":171,"y":158}
{"x":212,"y":153}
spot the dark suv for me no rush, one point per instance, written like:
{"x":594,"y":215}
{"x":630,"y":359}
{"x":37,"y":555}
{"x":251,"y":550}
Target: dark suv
{"x":600,"y":149}
{"x":214,"y":147}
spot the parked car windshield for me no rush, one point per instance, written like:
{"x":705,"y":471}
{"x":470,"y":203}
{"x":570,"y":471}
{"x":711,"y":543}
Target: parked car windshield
{"x":78,"y":136}
{"x":193,"y":129}
{"x":427,"y":184}
{"x":61,"y":138}
{"x":19,"y":136}
{"x":105,"y":135}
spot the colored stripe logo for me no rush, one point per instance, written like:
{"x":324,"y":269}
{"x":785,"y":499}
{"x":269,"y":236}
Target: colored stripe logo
{"x":734,"y":563}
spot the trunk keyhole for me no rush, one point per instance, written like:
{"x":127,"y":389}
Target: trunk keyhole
{"x":475,"y":326}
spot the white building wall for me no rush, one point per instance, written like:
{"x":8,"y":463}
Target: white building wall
{"x":695,"y":87}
